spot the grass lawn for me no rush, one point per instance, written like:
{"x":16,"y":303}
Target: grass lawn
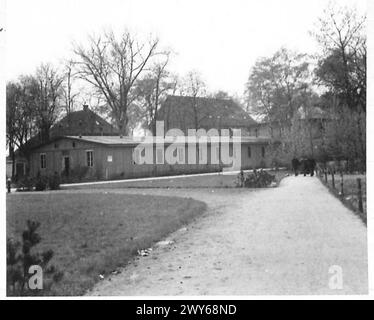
{"x":94,"y":233}
{"x":206,"y":181}
{"x":350,"y":188}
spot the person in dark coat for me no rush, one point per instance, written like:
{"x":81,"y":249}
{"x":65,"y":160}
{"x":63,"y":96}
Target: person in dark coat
{"x":308,"y":166}
{"x":304,"y":166}
{"x":295,"y":166}
{"x":312,"y":166}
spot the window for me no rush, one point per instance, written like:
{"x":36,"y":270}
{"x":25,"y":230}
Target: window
{"x":43,"y":161}
{"x":256,"y":132}
{"x":89,"y":154}
{"x":249,"y":152}
{"x":73,"y":144}
{"x":263,"y":151}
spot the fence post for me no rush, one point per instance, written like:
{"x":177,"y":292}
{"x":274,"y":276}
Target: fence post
{"x":333,"y":179}
{"x":360,"y":206}
{"x":341,"y":184}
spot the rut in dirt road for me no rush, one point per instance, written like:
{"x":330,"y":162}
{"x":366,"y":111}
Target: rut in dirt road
{"x":287,"y":240}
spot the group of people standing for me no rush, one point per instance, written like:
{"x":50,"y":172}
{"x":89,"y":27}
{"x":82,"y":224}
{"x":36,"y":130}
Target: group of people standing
{"x":304,"y":166}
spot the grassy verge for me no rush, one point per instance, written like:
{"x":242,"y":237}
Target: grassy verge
{"x":350,"y":191}
{"x":207,"y":181}
{"x":97,"y":232}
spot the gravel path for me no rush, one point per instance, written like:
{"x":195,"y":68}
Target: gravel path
{"x":272,"y":241}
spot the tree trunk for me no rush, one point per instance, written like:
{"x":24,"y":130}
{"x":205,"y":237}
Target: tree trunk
{"x":123,"y":129}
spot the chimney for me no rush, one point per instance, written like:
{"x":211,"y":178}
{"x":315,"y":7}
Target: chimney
{"x":85,"y":107}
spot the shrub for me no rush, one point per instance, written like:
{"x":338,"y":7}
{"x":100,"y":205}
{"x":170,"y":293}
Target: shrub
{"x":20,"y":257}
{"x":255,"y":179}
{"x":78,"y":173}
{"x":25,"y":184}
{"x":41,"y":183}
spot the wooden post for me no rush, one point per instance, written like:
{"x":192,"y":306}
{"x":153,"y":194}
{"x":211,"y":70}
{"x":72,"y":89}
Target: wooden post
{"x":333,"y":179}
{"x":360,"y":206}
{"x":325,"y":171}
{"x":341,"y":184}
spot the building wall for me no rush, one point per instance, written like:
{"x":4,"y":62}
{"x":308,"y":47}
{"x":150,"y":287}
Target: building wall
{"x":20,"y":167}
{"x":257,"y":157}
{"x":55,"y":153}
{"x":265,"y":130}
{"x":122,"y":164}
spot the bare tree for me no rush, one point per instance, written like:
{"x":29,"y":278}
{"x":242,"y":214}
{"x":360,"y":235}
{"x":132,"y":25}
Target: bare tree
{"x":274,"y":91}
{"x":13,"y":97}
{"x":195,"y":87}
{"x":342,"y":65}
{"x":48,"y":98}
{"x":112,"y":65}
{"x":69,"y":95}
{"x":152,"y":89}
{"x":20,"y":112}
{"x":175,"y":82}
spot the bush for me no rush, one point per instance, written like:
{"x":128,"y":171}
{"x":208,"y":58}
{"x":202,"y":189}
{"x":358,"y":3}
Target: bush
{"x":41,"y":183}
{"x":78,"y":173}
{"x":255,"y":179}
{"x":20,"y":257}
{"x":25,"y":184}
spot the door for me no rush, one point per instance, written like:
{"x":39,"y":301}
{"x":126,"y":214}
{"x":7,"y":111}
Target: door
{"x":20,"y":169}
{"x":66,"y":165}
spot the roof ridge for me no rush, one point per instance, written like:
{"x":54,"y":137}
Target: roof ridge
{"x":198,"y":97}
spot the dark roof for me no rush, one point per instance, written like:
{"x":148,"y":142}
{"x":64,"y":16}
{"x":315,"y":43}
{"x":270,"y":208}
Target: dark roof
{"x":178,"y":112}
{"x":117,"y":141}
{"x":83,"y":122}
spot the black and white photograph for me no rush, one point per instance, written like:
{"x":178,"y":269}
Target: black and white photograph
{"x":185,"y":149}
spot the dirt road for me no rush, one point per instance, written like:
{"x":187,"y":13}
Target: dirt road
{"x":282,"y":240}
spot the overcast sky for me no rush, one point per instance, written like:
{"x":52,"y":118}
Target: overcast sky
{"x":222,"y":39}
